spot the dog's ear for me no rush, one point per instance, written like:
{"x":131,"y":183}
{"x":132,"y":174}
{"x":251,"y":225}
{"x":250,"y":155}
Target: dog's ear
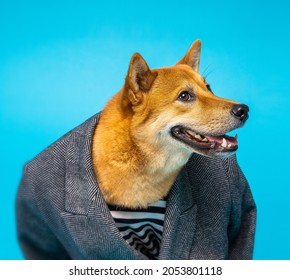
{"x":192,"y":57}
{"x":139,"y":78}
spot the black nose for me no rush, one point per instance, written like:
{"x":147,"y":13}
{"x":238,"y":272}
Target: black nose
{"x":240,"y":111}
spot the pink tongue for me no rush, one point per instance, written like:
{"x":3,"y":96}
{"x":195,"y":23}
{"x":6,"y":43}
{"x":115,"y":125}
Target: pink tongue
{"x":219,"y":139}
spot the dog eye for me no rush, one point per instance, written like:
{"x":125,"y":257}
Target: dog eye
{"x":185,"y":96}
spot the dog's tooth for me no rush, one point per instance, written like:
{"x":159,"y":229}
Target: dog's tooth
{"x":229,"y":145}
{"x":204,"y":140}
{"x":191,"y":133}
{"x":197,"y":136}
{"x":224,"y":143}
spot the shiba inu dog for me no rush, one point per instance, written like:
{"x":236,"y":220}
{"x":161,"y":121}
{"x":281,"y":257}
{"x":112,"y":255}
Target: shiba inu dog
{"x":149,"y":129}
{"x":150,"y":177}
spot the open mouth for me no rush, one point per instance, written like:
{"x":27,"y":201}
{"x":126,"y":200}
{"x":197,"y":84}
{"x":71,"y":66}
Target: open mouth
{"x":219,"y":144}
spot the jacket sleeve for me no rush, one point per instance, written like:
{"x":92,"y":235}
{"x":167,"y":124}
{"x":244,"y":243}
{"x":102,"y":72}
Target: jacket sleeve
{"x":242,"y":225}
{"x":36,"y":239}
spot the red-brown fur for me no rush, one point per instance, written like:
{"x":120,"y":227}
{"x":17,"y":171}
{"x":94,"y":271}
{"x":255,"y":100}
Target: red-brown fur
{"x":135,"y":158}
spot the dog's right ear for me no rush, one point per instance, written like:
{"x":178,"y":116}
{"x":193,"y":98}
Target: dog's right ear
{"x":139,"y":78}
{"x":192,"y":57}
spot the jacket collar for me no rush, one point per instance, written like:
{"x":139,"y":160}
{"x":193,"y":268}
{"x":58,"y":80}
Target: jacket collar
{"x":180,"y":220}
{"x":80,"y":181}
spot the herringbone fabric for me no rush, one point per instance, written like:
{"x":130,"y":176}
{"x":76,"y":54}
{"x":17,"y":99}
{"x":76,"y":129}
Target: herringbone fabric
{"x":61,"y":213}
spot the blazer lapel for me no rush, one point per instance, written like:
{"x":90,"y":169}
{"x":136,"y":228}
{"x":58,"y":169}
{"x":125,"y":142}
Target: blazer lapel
{"x":199,"y":200}
{"x":80,"y":181}
{"x":95,"y":235}
{"x":180,"y":220}
{"x":87,"y":217}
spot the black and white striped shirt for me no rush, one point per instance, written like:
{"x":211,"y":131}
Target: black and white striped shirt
{"x":141,"y":228}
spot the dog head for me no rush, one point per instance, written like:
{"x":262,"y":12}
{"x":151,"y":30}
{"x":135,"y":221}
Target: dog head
{"x":174,"y":108}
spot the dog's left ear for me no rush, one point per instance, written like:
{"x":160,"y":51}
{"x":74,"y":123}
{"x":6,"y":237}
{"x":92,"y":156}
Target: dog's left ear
{"x":192,"y":57}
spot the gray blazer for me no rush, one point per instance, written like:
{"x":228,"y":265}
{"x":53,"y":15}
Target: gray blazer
{"x":61,"y":213}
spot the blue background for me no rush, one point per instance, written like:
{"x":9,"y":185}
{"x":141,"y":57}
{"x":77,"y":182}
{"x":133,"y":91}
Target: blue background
{"x":60,"y":61}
